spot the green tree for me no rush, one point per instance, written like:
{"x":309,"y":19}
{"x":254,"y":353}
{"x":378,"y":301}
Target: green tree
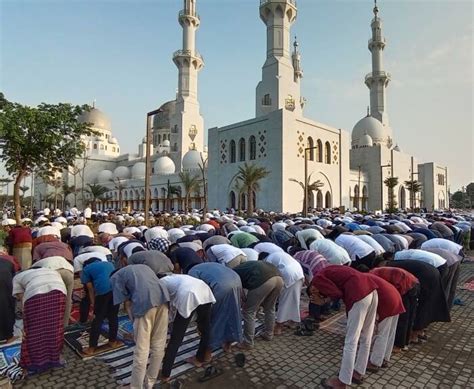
{"x":249,"y":177}
{"x":66,"y":190}
{"x":44,"y":139}
{"x":391,"y":183}
{"x":312,"y":186}
{"x":190,"y":183}
{"x":470,"y":194}
{"x":171,"y":190}
{"x":97,"y":193}
{"x":414,"y":187}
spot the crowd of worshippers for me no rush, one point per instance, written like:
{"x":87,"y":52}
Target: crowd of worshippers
{"x":396,"y":271}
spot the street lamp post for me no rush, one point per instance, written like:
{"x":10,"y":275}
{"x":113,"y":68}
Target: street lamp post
{"x":148,"y":163}
{"x":305,"y":213}
{"x":381,"y":184}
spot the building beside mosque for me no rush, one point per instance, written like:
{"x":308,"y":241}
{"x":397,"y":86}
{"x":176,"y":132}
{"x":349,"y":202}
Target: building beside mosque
{"x":351,"y":168}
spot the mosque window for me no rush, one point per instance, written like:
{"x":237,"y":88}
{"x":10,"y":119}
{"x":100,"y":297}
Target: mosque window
{"x":105,"y":147}
{"x":440,"y":179}
{"x":113,"y":149}
{"x":267,"y":100}
{"x":118,"y":151}
{"x":253,"y":148}
{"x":327,"y":153}
{"x":242,"y":149}
{"x":159,"y":139}
{"x":102,"y":147}
{"x":310,"y":145}
{"x":95,"y":146}
{"x":232,"y":151}
{"x":319,"y":150}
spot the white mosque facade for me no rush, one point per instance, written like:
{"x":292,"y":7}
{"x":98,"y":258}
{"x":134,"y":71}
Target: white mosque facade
{"x":350,"y":167}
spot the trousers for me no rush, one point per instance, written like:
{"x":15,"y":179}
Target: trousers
{"x":104,"y":308}
{"x":383,"y":340}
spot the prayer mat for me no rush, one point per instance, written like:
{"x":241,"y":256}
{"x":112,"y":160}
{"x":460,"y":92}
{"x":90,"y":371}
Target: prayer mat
{"x":468,"y":285}
{"x":336,"y":324}
{"x":8,"y":352}
{"x":120,"y":361}
{"x":78,"y":340}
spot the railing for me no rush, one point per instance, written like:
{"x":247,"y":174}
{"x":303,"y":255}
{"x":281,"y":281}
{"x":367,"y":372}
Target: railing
{"x":183,"y":13}
{"x":378,"y":74}
{"x":187,"y":53}
{"x":263,"y":2}
{"x":381,"y":40}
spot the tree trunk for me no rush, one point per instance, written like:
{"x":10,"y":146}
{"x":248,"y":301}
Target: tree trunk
{"x":249,"y":202}
{"x":16,"y":197}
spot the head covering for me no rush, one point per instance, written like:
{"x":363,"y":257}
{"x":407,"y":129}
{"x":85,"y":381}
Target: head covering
{"x":243,"y":239}
{"x":186,"y":258}
{"x":160,"y":244}
{"x":174,"y":234}
{"x":109,"y":228}
{"x":216,"y":239}
{"x":155,"y":232}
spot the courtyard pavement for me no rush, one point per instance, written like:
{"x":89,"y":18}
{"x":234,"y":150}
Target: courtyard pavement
{"x":445,"y":361}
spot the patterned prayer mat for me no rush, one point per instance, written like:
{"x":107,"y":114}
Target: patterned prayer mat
{"x":468,"y":285}
{"x":8,"y":352}
{"x":335,"y":324}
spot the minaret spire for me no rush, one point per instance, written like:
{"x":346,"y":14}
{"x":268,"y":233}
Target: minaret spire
{"x":296,"y":57}
{"x":378,"y":79}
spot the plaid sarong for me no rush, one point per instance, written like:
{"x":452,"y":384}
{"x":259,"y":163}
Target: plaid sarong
{"x":43,"y":326}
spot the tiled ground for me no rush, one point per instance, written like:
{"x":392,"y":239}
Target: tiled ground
{"x":445,"y":361}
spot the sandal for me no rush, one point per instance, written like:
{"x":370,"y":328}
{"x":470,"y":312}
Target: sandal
{"x":210,"y":373}
{"x":302,"y":332}
{"x":240,"y":359}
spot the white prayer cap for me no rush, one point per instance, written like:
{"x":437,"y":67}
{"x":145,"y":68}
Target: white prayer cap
{"x":8,"y":222}
{"x":174,"y":234}
{"x":120,"y":218}
{"x":58,"y":225}
{"x":46,"y":211}
{"x":41,"y":219}
{"x":131,"y":230}
{"x":116,"y":242}
{"x":49,"y":230}
{"x":61,"y":219}
{"x":109,"y":228}
{"x":155,"y":232}
{"x":26,"y":220}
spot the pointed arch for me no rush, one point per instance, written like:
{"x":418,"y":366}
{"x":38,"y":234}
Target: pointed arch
{"x":365,"y":198}
{"x":252,"y":148}
{"x":232,"y":151}
{"x":319,"y":150}
{"x":319,"y":199}
{"x":327,"y":153}
{"x":402,"y":197}
{"x":232,"y":200}
{"x":310,"y":145}
{"x":241,"y":150}
{"x":328,"y":200}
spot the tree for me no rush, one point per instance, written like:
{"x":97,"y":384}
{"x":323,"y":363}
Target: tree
{"x":249,"y":177}
{"x":66,"y":190}
{"x":312,"y":186}
{"x":190,"y":183}
{"x":45,"y":139}
{"x":470,"y":193}
{"x":97,"y":192}
{"x":171,"y":190}
{"x":119,"y":185}
{"x":413,"y":186}
{"x":391,"y":183}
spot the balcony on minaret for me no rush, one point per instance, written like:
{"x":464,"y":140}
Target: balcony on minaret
{"x":190,"y":15}
{"x":263,"y":2}
{"x":379,"y":42}
{"x":382,"y":76}
{"x":191,"y":55}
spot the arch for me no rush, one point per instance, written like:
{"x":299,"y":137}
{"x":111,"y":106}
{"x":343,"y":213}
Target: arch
{"x":243,"y":201}
{"x":356,"y":198}
{"x":311,"y":199}
{"x":319,"y":199}
{"x":125,"y":196}
{"x":155,"y":193}
{"x":252,"y":148}
{"x":441,"y":200}
{"x":402,"y":197}
{"x":232,"y":200}
{"x":232,"y":151}
{"x":241,"y":150}
{"x":365,"y":198}
{"x":327,"y":153}
{"x":328,"y":200}
{"x":310,"y":145}
{"x":319,"y":150}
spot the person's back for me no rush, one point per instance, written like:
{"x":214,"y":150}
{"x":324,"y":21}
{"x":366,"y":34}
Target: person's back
{"x":52,"y":249}
{"x":98,"y":273}
{"x":255,"y":273}
{"x":155,"y":260}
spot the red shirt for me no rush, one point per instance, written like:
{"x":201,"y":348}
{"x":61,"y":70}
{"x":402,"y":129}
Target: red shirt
{"x":12,"y":260}
{"x":51,"y":249}
{"x":390,"y":300}
{"x":19,"y":235}
{"x":344,"y":282}
{"x":398,"y":277}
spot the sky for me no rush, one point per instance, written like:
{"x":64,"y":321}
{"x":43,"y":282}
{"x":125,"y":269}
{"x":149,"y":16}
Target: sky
{"x":118,"y":52}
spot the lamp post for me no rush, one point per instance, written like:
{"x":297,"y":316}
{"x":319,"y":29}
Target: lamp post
{"x":381,"y":184}
{"x":147,"y":163}
{"x":305,"y":213}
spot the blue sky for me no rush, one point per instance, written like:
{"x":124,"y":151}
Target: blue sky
{"x":119,"y":53}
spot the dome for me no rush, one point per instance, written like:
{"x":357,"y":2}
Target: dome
{"x":365,"y":141}
{"x":138,"y":170}
{"x":122,"y":172}
{"x":162,"y":119}
{"x":397,"y":148}
{"x":191,"y":160}
{"x":105,"y":176}
{"x":164,"y":166}
{"x":372,"y":127}
{"x":166,"y":143}
{"x":114,"y":141}
{"x":96,"y":118}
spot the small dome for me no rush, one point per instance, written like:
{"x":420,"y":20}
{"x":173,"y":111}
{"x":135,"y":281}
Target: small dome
{"x":138,"y":170}
{"x":372,"y":127}
{"x":122,"y":172}
{"x":162,"y":119}
{"x":365,"y":141}
{"x":397,"y":148}
{"x":114,"y":141}
{"x":96,"y":118}
{"x":166,"y":143}
{"x":191,"y":160}
{"x":105,"y":176}
{"x":164,"y":166}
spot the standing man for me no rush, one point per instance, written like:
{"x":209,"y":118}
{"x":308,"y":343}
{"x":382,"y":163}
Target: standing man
{"x":146,"y":302}
{"x":21,"y":243}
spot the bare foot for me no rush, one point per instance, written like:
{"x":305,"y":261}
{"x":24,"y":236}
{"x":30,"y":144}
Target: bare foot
{"x":334,"y":382}
{"x":396,"y":350}
{"x":227,"y":347}
{"x":89,"y":351}
{"x":244,"y":346}
{"x":194,"y":361}
{"x":115,"y":344}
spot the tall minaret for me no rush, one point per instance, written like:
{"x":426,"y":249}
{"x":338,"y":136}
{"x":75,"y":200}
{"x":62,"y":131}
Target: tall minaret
{"x":378,"y":79}
{"x":187,"y":125}
{"x":281,"y":73}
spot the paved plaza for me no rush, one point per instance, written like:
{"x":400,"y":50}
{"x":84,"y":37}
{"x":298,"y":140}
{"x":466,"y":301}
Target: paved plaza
{"x":445,"y":361}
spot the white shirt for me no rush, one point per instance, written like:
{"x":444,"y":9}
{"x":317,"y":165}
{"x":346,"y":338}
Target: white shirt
{"x":305,"y":235}
{"x":55,"y":263}
{"x":379,"y":250}
{"x":440,"y":243}
{"x":290,"y":269}
{"x":87,"y":213}
{"x":81,"y":258}
{"x":81,"y":230}
{"x":114,"y":243}
{"x":37,"y":281}
{"x":100,"y":249}
{"x":420,"y":255}
{"x":251,"y":254}
{"x":333,"y":253}
{"x":401,"y":239}
{"x":267,"y":247}
{"x":224,"y":253}
{"x":354,"y":246}
{"x":187,"y":293}
{"x":49,"y":230}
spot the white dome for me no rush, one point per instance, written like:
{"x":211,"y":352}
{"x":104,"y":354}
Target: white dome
{"x":96,"y":118}
{"x":105,"y":176}
{"x":365,"y":141}
{"x":164,"y":166}
{"x":191,"y":160}
{"x":372,"y":127}
{"x":138,"y":170}
{"x":122,"y":172}
{"x":114,"y":141}
{"x":166,"y":143}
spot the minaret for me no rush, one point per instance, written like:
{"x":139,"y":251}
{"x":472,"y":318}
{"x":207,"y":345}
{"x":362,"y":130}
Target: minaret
{"x":281,"y":73}
{"x":187,"y":125}
{"x":378,"y":79}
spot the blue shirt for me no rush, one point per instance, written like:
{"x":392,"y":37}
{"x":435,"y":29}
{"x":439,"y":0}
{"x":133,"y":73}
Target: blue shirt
{"x":99,"y":274}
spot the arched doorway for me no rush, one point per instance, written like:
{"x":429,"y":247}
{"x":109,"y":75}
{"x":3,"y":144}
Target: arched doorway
{"x":319,"y":199}
{"x":355,"y":201}
{"x":328,"y":200}
{"x":365,"y":198}
{"x":232,"y":199}
{"x":402,"y":198}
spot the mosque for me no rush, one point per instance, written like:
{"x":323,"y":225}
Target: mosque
{"x":350,"y":168}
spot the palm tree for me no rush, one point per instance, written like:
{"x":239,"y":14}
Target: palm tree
{"x":190,"y":183}
{"x":97,"y":192}
{"x":249,"y":177}
{"x":66,"y":190}
{"x":312,"y":186}
{"x":391,"y":183}
{"x":413,"y":187}
{"x":171,"y":191}
{"x":119,"y":185}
